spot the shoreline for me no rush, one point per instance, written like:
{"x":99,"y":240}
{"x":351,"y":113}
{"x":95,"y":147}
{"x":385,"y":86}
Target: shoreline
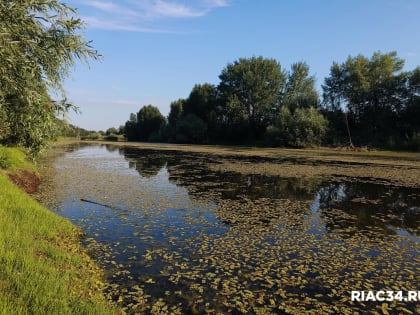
{"x":45,"y":267}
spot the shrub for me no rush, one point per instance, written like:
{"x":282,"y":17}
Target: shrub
{"x":305,"y":127}
{"x":91,"y":136}
{"x":111,"y":137}
{"x":4,"y":161}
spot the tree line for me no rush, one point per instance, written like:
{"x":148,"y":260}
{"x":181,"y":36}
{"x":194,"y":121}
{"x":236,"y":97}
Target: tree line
{"x":365,"y":102}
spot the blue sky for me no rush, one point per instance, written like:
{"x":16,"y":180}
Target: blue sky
{"x":156,"y":50}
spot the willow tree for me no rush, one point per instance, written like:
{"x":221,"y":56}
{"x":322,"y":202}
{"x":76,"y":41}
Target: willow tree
{"x":40,"y":42}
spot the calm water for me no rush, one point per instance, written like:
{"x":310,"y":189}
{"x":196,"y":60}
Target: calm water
{"x":177,"y":238}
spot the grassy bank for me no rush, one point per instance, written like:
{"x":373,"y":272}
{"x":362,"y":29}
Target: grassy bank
{"x":44,"y":269}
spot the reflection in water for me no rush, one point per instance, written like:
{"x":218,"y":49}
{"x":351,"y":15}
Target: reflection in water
{"x":183,"y":239}
{"x":365,"y":206}
{"x":361,"y":205}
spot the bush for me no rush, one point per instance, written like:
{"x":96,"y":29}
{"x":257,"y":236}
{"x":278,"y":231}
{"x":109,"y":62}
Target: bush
{"x":91,"y":136}
{"x":111,"y":137}
{"x":191,"y":129}
{"x":4,"y":160}
{"x":303,"y":128}
{"x":274,"y":136}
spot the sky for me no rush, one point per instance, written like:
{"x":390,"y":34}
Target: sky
{"x":155,"y":51}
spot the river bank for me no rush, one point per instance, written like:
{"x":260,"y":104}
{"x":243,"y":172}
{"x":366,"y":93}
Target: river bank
{"x":45,"y":268}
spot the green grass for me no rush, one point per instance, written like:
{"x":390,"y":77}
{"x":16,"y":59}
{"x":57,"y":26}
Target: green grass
{"x":44,"y":268}
{"x":13,"y":159}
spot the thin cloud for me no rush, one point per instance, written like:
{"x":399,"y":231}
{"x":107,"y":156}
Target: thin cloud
{"x":143,"y":16}
{"x":111,"y":8}
{"x":119,"y":25}
{"x":175,"y":10}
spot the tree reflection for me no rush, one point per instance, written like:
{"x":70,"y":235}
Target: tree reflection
{"x":345,"y":207}
{"x":111,"y":148}
{"x":146,"y":163}
{"x":368,"y":206}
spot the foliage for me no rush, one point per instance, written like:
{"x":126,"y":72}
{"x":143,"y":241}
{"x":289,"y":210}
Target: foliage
{"x":305,"y":127}
{"x":201,"y":101}
{"x":131,"y":128}
{"x":376,"y":94}
{"x":14,"y":158}
{"x":251,"y":87}
{"x":93,"y":135}
{"x":39,"y":43}
{"x":174,"y":114}
{"x":191,"y":129}
{"x":300,"y":89}
{"x":111,"y":130}
{"x":366,"y":101}
{"x":111,"y":137}
{"x":148,"y":122}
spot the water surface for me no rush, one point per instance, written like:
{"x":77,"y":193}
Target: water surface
{"x":176,"y":237}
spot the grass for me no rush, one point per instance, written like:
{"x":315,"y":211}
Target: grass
{"x":44,"y":268}
{"x":13,"y":159}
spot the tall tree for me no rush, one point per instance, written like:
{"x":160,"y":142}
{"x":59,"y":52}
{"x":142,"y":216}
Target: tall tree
{"x":371,"y":91}
{"x":149,"y":122}
{"x":255,"y":85}
{"x":300,"y":89}
{"x":201,"y":101}
{"x":39,"y":42}
{"x":130,"y":127}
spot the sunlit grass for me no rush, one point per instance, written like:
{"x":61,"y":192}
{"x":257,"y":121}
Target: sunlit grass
{"x":44,"y":269}
{"x":13,"y":159}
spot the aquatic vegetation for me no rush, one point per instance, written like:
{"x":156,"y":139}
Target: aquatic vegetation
{"x":198,"y":233}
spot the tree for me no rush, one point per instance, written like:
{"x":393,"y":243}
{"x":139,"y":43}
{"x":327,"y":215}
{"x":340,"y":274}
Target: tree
{"x":255,"y":84}
{"x":111,"y":131}
{"x":191,"y":129}
{"x":149,"y":121}
{"x":302,"y":128}
{"x":201,"y":101}
{"x":373,"y":94}
{"x":176,"y":110}
{"x":300,"y":89}
{"x":39,"y":42}
{"x":130,"y":127}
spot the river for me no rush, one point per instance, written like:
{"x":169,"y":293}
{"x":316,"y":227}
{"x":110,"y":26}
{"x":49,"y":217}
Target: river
{"x":177,"y":236}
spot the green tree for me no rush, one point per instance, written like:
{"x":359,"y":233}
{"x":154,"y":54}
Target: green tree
{"x":373,"y":94}
{"x":255,"y":84}
{"x":176,"y":110}
{"x":149,"y":122}
{"x":111,"y":131}
{"x":304,"y":127}
{"x":409,"y":125}
{"x":191,"y":129}
{"x":300,"y":89}
{"x":201,"y":101}
{"x":131,"y":129}
{"x":39,"y":42}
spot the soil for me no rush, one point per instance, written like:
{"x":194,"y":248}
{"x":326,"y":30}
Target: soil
{"x":26,"y":180}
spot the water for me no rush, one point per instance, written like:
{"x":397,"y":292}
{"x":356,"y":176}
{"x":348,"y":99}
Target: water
{"x":177,"y":237}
